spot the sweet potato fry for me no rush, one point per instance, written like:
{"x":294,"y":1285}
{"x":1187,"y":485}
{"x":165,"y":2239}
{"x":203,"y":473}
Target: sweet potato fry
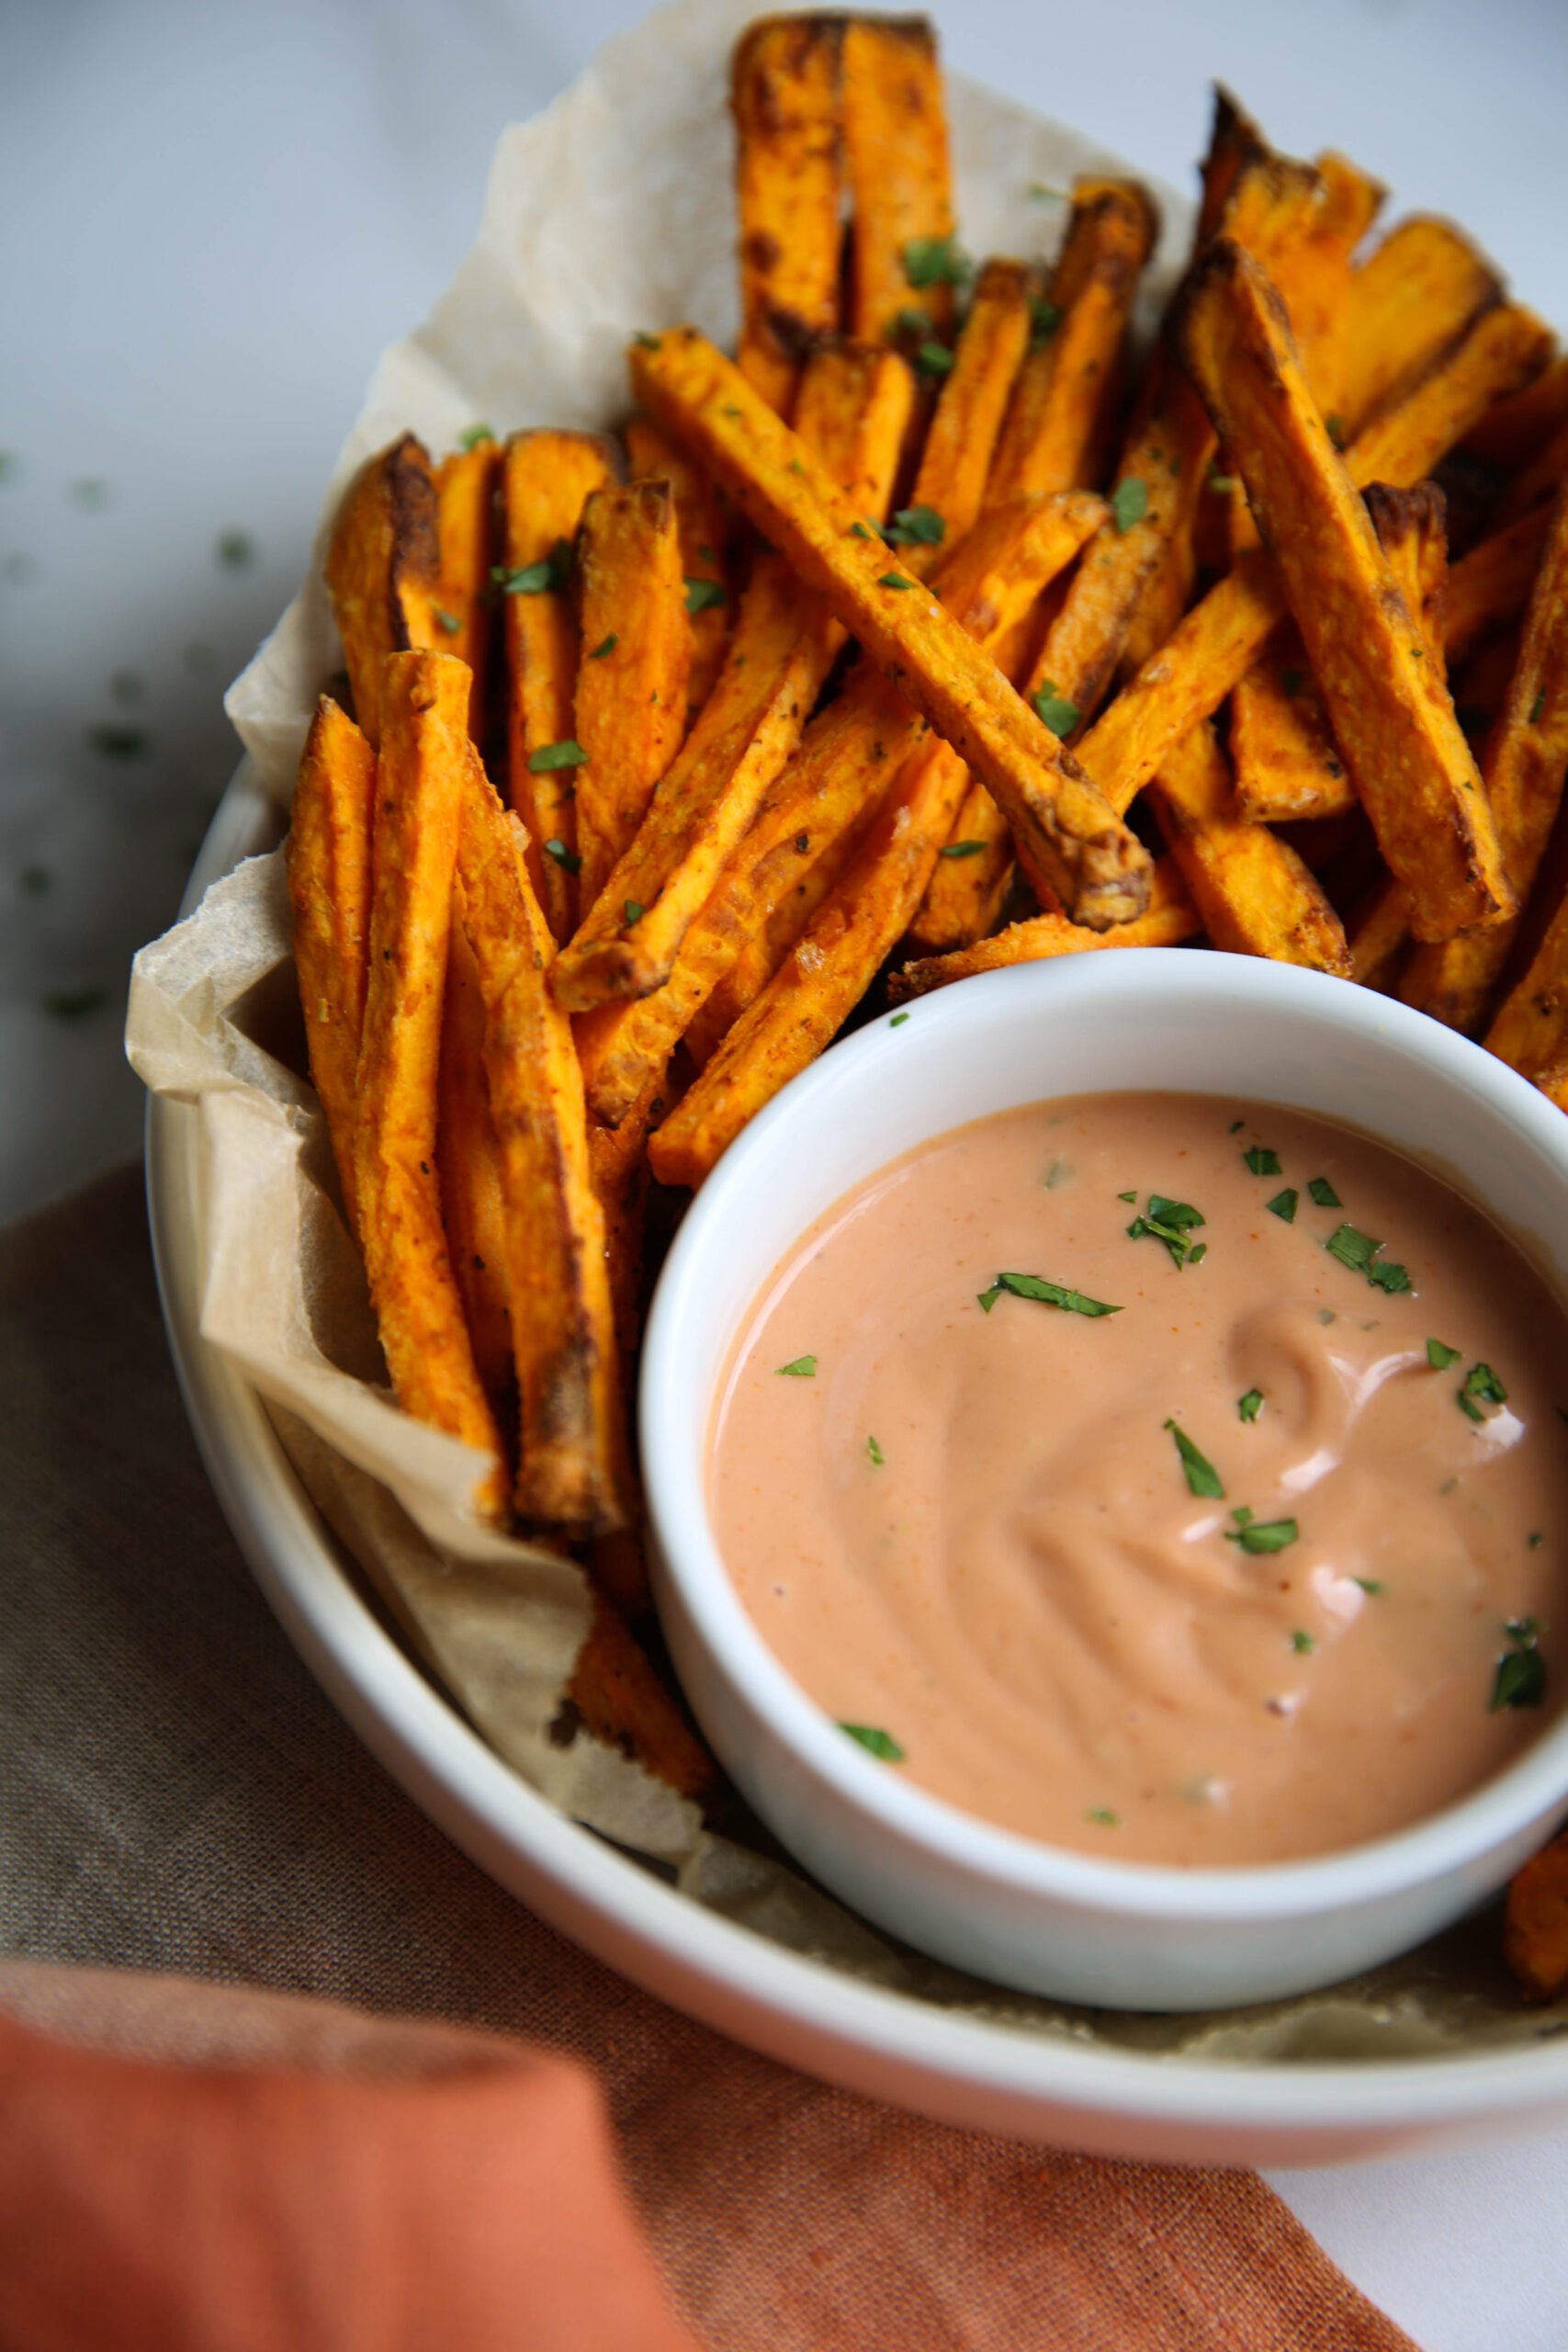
{"x":1287,"y":763}
{"x":618,"y":1161}
{"x":381,"y":569}
{"x":1522,"y":767}
{"x":1101,"y":868}
{"x":956,"y":459}
{"x":1506,"y":347}
{"x":1393,"y":721}
{"x":468,"y":1156}
{"x":1063,"y":401}
{"x":1554,"y":1084}
{"x":571,"y":1470}
{"x":1537,"y":484}
{"x":622,"y":1702}
{"x":637,"y":653}
{"x":1535,"y":1922}
{"x":651,"y":456}
{"x":424,"y":759}
{"x":547,"y":480}
{"x":467,"y":533}
{"x":1510,"y":434}
{"x":812,"y":994}
{"x":1529,"y":1029}
{"x":894,"y":131}
{"x":1168,"y":920}
{"x":329,"y":888}
{"x":1491,"y":585}
{"x":1380,"y":936}
{"x":1414,"y":296}
{"x":855,"y":403}
{"x":784,"y":95}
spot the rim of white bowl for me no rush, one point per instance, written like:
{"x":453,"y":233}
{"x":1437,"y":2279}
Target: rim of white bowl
{"x":686,"y":1954}
{"x":844,"y":1079}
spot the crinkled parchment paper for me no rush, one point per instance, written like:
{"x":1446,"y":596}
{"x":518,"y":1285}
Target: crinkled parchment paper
{"x":612,"y":212}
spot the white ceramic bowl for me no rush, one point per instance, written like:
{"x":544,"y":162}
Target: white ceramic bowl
{"x":1131,"y":1935}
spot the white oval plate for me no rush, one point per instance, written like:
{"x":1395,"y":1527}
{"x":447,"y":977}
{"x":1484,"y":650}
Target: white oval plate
{"x":956,"y":2068}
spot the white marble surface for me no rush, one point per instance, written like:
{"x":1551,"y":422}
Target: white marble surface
{"x":171,"y":379}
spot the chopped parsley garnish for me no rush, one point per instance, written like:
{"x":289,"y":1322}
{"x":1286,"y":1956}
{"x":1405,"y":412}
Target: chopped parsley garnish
{"x":646,"y":342}
{"x":936,"y":261}
{"x":551,"y":756}
{"x":803,"y":1368}
{"x":1283,"y":1205}
{"x":916,"y":527}
{"x":878,"y":1459}
{"x":1262,"y":1161}
{"x":1482,"y":1386}
{"x":1520,"y":1679}
{"x":1059,"y":1173}
{"x":1044,"y":318}
{"x":567,"y":859}
{"x":1352,"y":1249}
{"x":1046,"y":1294}
{"x":1266,"y":1535}
{"x":1221,"y":484}
{"x":1105,"y":1816}
{"x":894,"y":580}
{"x":1250,"y":1406}
{"x":1369,"y":1585}
{"x":880,"y":1744}
{"x":933,"y":360}
{"x":1324,"y":1193}
{"x":1172,"y":1222}
{"x":1335,"y":427}
{"x":1203,"y":1478}
{"x":1236,"y":1126}
{"x":1387,"y":1275}
{"x":911,"y":321}
{"x":1537,"y":708}
{"x":1126,"y":1196}
{"x":897,"y":1020}
{"x":1303,"y":1643}
{"x":445,"y":621}
{"x":1129,"y":503}
{"x":960,"y":849}
{"x":550,"y":574}
{"x":702,"y":594}
{"x":474,"y":436}
{"x":864,"y":531}
{"x":633,"y":912}
{"x":1535,"y":1540}
{"x":1059,"y":713}
{"x":606,"y":645}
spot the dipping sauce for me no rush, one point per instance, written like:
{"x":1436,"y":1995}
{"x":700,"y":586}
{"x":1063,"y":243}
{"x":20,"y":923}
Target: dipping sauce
{"x":1266,"y":1561}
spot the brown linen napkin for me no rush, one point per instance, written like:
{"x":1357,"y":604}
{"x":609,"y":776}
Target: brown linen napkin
{"x":176,"y":1795}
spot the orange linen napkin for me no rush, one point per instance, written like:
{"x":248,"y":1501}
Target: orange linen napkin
{"x":177,"y":1794}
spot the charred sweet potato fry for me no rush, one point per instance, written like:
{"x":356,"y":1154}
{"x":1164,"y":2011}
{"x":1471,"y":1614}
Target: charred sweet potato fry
{"x":1393,"y":720}
{"x":784,"y":84}
{"x":468,"y":1157}
{"x":547,"y":480}
{"x":622,"y":1702}
{"x":1101,"y":868}
{"x":1491,"y":585}
{"x":854,"y":404}
{"x":956,"y":459}
{"x":1522,"y":765}
{"x":705,"y":563}
{"x":1063,"y":402}
{"x":895,"y":132}
{"x":381,"y":570}
{"x":462,"y":606}
{"x":329,"y":888}
{"x":1515,"y":431}
{"x":1169,"y":918}
{"x":637,"y":653}
{"x":570,"y":1473}
{"x":1414,"y":297}
{"x":424,"y":760}
{"x":1535,"y":1922}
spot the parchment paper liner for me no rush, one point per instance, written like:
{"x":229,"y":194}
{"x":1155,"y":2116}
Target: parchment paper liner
{"x":610,"y":212}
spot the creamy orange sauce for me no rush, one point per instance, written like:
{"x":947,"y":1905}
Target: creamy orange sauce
{"x":974,"y":1532}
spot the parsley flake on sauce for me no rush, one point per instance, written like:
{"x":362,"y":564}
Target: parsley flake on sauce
{"x":1301,"y":1642}
{"x":1046,"y":1294}
{"x":1129,"y":503}
{"x":1105,"y":1816}
{"x":1324,"y":1193}
{"x":1482,"y":1386}
{"x":1057,"y":712}
{"x":1172,"y":1222}
{"x":878,"y":1459}
{"x":1369,"y":1585}
{"x":803,"y":1368}
{"x":1203,"y":1478}
{"x":1520,"y":1678}
{"x":916,"y":527}
{"x":1283,"y":1205}
{"x":1266,"y":1535}
{"x":567,"y":754}
{"x":880,"y":1744}
{"x":1250,"y":1406}
{"x":1261,"y":1160}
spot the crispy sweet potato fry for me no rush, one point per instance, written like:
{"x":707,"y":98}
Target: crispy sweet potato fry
{"x":547,"y":480}
{"x":1415,"y":295}
{"x":1529,"y":1029}
{"x":1253,"y":895}
{"x":1393,"y":721}
{"x":637,"y":653}
{"x":1491,"y":585}
{"x":956,"y":459}
{"x":329,"y":888}
{"x":570,"y":1476}
{"x":1168,"y":919}
{"x":1101,"y":868}
{"x":1535,"y":1922}
{"x":381,"y":568}
{"x":462,"y":607}
{"x":622,"y":1702}
{"x":894,"y":131}
{"x":854,"y":404}
{"x":1510,"y":434}
{"x":469,"y":1158}
{"x":617,"y":1160}
{"x":1522,"y":767}
{"x":811,"y":995}
{"x":1506,"y":347}
{"x":1287,"y":763}
{"x":424,"y":759}
{"x":651,"y":456}
{"x":1064,"y":402}
{"x":784,"y":95}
